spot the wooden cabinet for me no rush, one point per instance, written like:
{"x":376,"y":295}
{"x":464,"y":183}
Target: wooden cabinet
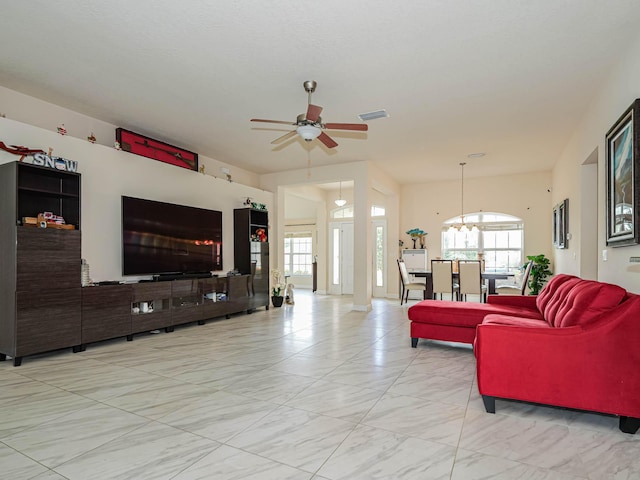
{"x":186,"y":301}
{"x":40,"y":294}
{"x":251,"y":253}
{"x":150,"y":306}
{"x":213,"y":297}
{"x":106,"y":312}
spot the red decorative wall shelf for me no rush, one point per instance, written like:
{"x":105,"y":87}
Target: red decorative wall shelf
{"x":150,"y":148}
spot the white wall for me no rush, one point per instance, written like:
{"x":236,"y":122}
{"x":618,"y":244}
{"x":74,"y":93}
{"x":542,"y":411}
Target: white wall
{"x":30,"y":110}
{"x":107,"y":174}
{"x":428,"y":205}
{"x":621,"y":89}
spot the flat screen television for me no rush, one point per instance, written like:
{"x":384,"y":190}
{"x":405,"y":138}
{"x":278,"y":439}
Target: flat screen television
{"x":164,"y":238}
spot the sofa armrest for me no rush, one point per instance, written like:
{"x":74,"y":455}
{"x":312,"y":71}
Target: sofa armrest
{"x":524,"y":301}
{"x":589,"y":368}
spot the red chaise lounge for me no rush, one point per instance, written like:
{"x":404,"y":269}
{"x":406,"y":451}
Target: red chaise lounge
{"x":575,"y":345}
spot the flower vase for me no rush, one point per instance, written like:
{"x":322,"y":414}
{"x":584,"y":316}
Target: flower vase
{"x":414,"y":242}
{"x":277,"y":301}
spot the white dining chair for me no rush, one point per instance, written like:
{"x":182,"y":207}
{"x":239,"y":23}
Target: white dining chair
{"x":516,"y":289}
{"x":470,"y":278}
{"x":407,"y":284}
{"x":442,"y":279}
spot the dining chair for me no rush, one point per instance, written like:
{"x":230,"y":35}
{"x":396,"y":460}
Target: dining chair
{"x":516,"y":289}
{"x":407,"y":284}
{"x":442,"y":278}
{"x":470,"y":278}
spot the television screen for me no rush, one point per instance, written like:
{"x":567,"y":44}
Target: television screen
{"x":164,"y":238}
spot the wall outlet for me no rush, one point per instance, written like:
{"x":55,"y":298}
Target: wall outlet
{"x":604,"y":255}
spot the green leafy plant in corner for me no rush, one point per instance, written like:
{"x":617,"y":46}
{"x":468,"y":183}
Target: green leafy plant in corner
{"x":539,"y":273}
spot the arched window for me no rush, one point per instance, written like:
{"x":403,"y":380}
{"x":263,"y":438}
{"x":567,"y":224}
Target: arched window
{"x":499,"y":237}
{"x":347,"y":211}
{"x":343,"y":212}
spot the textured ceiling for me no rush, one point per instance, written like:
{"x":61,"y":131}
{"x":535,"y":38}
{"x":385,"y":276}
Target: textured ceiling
{"x":507,"y":77}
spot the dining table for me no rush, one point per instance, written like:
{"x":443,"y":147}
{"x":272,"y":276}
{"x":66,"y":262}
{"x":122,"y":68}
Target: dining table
{"x":490,"y":277}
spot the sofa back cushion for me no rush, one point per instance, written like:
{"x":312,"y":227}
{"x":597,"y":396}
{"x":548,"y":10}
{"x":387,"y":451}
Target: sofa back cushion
{"x":558,"y":298}
{"x":585,"y":302}
{"x":549,"y":291}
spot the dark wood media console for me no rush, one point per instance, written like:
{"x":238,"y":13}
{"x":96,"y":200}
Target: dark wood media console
{"x":111,"y":311}
{"x":42,"y":304}
{"x":84,"y":315}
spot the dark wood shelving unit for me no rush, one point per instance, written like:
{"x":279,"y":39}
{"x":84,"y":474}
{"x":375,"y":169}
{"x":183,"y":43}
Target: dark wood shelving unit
{"x":251,"y":256}
{"x":40,"y":297}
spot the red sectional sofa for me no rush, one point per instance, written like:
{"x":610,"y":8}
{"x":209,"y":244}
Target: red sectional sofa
{"x":575,"y":345}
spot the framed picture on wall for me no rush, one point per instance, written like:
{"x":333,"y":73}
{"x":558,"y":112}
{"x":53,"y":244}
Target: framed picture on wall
{"x":560,"y":225}
{"x":623,"y":179}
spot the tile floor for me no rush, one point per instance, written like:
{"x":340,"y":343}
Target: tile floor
{"x":311,"y":391}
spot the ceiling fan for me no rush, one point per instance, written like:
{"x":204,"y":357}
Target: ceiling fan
{"x":309,"y":125}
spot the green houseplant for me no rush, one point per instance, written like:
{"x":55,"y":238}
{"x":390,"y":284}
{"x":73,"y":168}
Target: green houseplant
{"x":539,"y":273}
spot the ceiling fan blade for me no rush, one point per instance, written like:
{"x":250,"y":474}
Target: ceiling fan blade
{"x":313,"y":113}
{"x":284,"y":137}
{"x":363,"y":127}
{"x":327,"y":140}
{"x":272,"y":121}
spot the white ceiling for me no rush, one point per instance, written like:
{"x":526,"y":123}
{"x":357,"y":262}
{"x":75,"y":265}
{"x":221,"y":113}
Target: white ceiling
{"x":507,"y":77}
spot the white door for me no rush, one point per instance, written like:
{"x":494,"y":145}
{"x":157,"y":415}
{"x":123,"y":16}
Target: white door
{"x":379,"y":280}
{"x":341,"y":253}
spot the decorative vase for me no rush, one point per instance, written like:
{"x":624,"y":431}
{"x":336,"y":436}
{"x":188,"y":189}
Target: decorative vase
{"x":277,"y":301}
{"x":414,"y":242}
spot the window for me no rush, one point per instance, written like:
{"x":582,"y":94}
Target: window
{"x":377,"y":211}
{"x":343,"y":212}
{"x":298,"y":253}
{"x":347,"y":212}
{"x":500,"y":238}
{"x":379,"y":252}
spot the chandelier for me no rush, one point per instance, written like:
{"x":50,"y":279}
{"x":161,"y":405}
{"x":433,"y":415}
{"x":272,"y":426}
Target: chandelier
{"x":462,"y":227}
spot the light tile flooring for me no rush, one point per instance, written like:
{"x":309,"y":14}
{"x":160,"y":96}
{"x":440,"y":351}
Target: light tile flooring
{"x":311,"y":391}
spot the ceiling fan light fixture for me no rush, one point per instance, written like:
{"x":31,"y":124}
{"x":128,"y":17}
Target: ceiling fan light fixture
{"x":308,"y":132}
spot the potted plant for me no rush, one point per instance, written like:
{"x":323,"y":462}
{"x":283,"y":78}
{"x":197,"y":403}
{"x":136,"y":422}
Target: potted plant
{"x":415,"y":234}
{"x":277,"y":288}
{"x":539,"y":273}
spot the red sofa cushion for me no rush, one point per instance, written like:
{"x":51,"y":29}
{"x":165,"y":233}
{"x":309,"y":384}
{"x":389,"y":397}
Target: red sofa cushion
{"x":461,"y":314}
{"x":557,"y":299}
{"x":548,"y":293}
{"x":497,"y":319}
{"x":586,"y":301}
